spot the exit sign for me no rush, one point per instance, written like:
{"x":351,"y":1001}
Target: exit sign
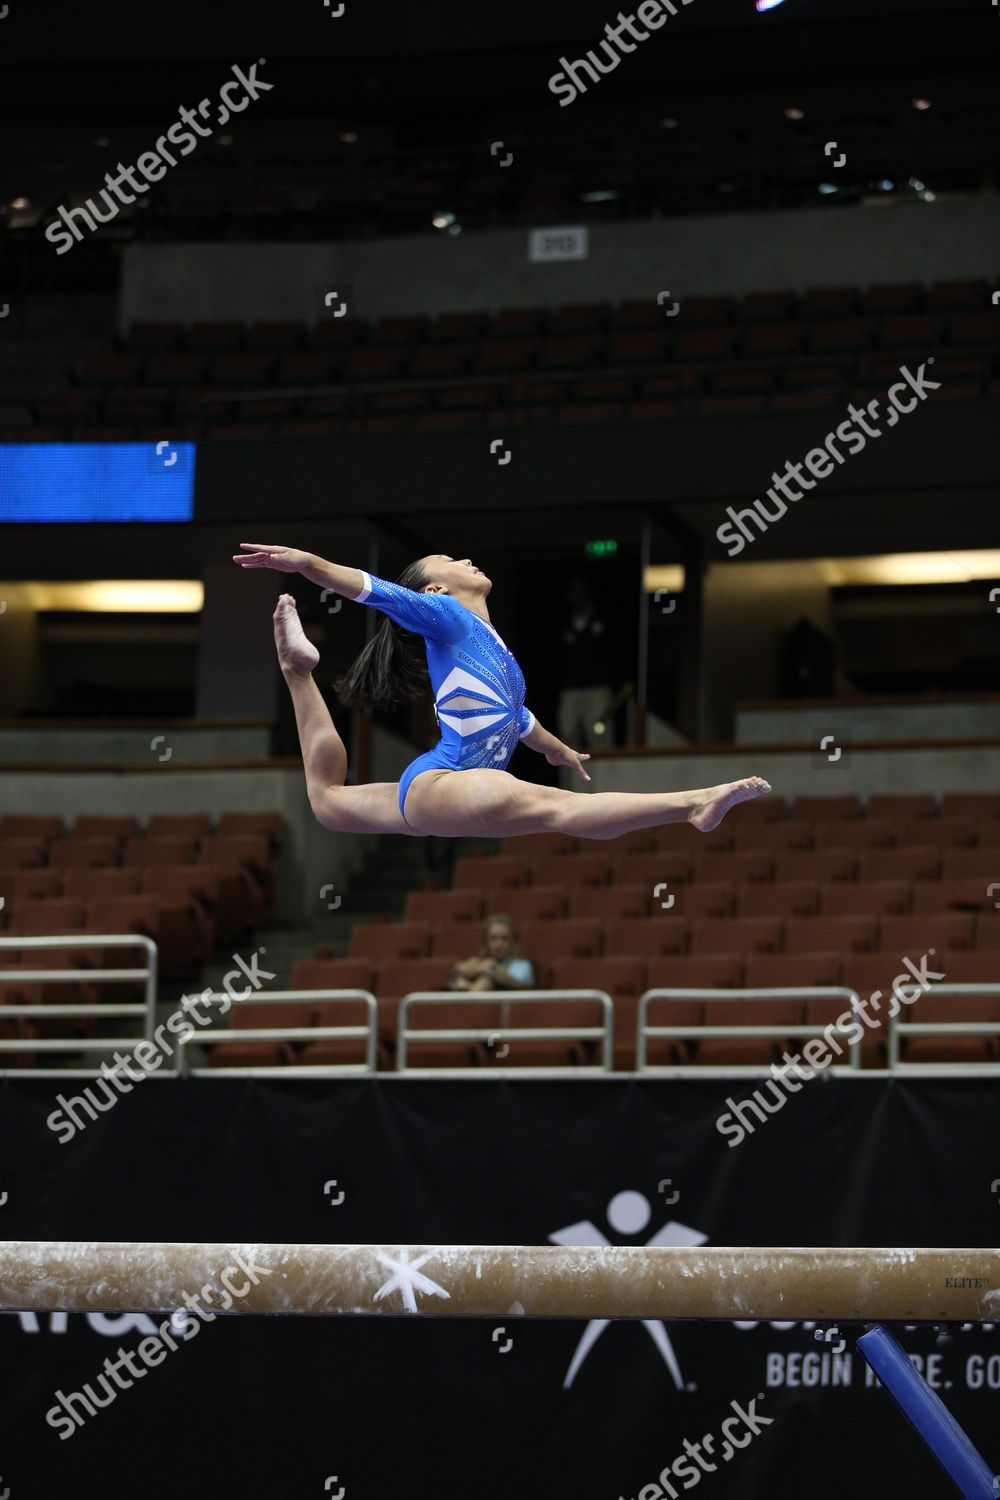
{"x":602,"y":548}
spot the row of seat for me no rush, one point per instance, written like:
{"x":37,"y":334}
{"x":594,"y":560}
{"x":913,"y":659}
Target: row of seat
{"x":791,"y":833}
{"x":924,"y":333}
{"x":188,"y":911}
{"x":755,"y":930}
{"x":470,"y":905}
{"x":150,"y":337}
{"x":915,"y":863}
{"x":51,"y":826}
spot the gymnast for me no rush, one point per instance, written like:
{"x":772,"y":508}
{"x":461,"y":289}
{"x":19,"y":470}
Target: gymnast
{"x":437,"y":626}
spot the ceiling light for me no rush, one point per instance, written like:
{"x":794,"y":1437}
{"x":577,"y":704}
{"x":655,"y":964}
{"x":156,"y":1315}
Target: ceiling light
{"x":443,"y":220}
{"x":600,"y":195}
{"x":794,"y":113}
{"x":921,"y":104}
{"x":20,"y":203}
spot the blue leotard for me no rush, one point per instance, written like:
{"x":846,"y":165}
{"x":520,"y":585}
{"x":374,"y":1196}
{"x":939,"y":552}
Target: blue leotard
{"x":478,"y":685}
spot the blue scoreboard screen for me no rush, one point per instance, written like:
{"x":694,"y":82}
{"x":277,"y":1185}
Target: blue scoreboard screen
{"x":96,"y":481}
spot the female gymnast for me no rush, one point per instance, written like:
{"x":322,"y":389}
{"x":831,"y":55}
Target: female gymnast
{"x":461,"y":788}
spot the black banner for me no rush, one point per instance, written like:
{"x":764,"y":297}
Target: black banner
{"x":370,"y":1408}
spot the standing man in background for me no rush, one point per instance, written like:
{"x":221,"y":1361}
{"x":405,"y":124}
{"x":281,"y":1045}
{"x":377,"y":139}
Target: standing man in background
{"x":586,"y":673}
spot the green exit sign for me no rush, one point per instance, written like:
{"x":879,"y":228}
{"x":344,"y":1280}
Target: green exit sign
{"x":602,"y":548}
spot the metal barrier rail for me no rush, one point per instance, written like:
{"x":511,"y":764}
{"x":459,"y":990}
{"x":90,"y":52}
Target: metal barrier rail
{"x":505,"y":998}
{"x":902,"y":1029}
{"x":214,"y":1036}
{"x":145,"y":1009}
{"x":645,"y":1032}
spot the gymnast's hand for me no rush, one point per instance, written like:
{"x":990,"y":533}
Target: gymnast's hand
{"x":281,"y":559}
{"x":562,"y":755}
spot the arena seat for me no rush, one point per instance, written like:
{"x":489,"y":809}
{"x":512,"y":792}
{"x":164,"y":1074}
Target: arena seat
{"x":532,"y":902}
{"x":49,"y":917}
{"x":33,"y":827}
{"x":623,"y":977}
{"x":791,"y":833}
{"x":93,"y":826}
{"x":270,"y":825}
{"x":866,"y":833}
{"x":704,"y":971}
{"x":576,"y":869}
{"x":848,"y":934}
{"x":490,"y":871}
{"x":918,"y":862}
{"x":848,"y":898}
{"x":784,"y":898}
{"x":951,"y":895}
{"x":86,"y":884}
{"x":189,"y":899}
{"x":739,"y":867}
{"x":606,"y":903}
{"x":746,"y":1051}
{"x":685,"y":837}
{"x":574,"y":937}
{"x":967,"y":864}
{"x":981,"y":807}
{"x":955,"y":833}
{"x":988,"y":931}
{"x":465,"y":905}
{"x":642,"y":937}
{"x":74,"y":853}
{"x":815,"y":808}
{"x":917,"y":934}
{"x":703,"y":898}
{"x":383,"y":940}
{"x":737,"y":935}
{"x":763,"y":971}
{"x":396,"y":977}
{"x":147,"y":850}
{"x":454,"y":1016}
{"x":179,"y":825}
{"x":455,"y":939}
{"x":260,"y":1016}
{"x":931,"y":1008}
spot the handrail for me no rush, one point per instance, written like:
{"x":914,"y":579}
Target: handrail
{"x":800,"y":993}
{"x":898,"y":1028}
{"x":19,"y":976}
{"x":213,"y":1036}
{"x":603,"y":1033}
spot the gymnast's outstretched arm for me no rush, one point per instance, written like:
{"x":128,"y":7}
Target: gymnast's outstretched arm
{"x":327,"y":575}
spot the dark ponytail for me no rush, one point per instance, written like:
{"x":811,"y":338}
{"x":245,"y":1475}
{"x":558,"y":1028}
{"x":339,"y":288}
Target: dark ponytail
{"x":393,"y":665}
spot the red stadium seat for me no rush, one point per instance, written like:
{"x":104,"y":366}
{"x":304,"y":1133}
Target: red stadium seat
{"x":858,"y":934}
{"x":848,"y":898}
{"x":783,"y":898}
{"x":76,"y":854}
{"x":645,"y":936}
{"x":465,"y":905}
{"x":737,"y":935}
{"x":609,"y":902}
{"x":384,"y":940}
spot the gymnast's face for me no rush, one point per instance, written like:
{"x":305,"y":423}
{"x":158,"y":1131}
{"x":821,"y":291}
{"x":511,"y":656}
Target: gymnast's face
{"x":458,"y":576}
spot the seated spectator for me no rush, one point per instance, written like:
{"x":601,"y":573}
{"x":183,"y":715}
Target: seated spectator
{"x":498,"y":966}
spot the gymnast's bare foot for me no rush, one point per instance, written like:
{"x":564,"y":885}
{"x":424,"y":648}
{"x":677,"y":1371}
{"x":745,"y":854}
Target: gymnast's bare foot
{"x":296,"y":653}
{"x":709,"y":812}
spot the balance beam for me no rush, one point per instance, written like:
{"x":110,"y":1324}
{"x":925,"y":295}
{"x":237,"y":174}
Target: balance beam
{"x":486,"y":1281}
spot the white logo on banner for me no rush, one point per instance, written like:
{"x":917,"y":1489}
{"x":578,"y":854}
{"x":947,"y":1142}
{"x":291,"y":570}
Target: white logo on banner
{"x":628,"y":1213}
